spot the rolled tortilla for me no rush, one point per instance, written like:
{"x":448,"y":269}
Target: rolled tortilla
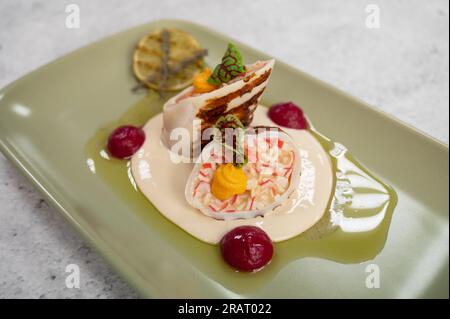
{"x":197,"y":112}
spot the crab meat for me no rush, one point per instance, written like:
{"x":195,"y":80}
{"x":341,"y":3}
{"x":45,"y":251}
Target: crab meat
{"x":271,"y":177}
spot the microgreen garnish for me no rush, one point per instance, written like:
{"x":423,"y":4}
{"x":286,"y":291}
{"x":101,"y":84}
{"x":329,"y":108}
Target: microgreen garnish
{"x":230,"y":121}
{"x":230,"y":67}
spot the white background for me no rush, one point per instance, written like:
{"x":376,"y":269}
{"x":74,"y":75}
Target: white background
{"x":401,"y":68}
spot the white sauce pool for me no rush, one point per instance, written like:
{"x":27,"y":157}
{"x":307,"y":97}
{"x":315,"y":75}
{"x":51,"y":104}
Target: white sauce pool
{"x":163,"y":183}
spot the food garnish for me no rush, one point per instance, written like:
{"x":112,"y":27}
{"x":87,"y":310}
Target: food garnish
{"x":237,"y":137}
{"x":124,"y":141}
{"x":184,"y":59}
{"x":247,"y":248}
{"x":288,"y":115}
{"x":201,"y":84}
{"x":230,"y":67}
{"x":228,"y":121}
{"x":165,"y":47}
{"x":228,"y":181}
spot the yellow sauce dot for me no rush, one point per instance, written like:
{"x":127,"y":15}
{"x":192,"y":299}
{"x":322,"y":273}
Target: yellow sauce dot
{"x":200,"y":82}
{"x":228,"y":180}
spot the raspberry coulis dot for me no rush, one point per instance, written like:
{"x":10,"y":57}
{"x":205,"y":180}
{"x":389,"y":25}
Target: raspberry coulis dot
{"x":246,"y":248}
{"x":288,"y":115}
{"x":125,"y":140}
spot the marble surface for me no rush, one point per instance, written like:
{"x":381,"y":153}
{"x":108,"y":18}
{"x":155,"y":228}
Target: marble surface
{"x":402,"y":68}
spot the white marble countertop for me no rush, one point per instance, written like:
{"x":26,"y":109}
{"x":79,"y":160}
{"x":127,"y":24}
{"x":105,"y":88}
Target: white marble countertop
{"x":402,"y":68}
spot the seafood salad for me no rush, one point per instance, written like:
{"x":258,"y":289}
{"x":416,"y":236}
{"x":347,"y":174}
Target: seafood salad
{"x":223,"y":190}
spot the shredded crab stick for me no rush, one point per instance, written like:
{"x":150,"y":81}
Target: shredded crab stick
{"x":272,"y":173}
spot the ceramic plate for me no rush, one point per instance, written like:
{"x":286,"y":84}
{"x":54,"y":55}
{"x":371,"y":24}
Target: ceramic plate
{"x":48,"y":117}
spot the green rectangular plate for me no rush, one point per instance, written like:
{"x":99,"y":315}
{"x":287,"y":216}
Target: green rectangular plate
{"x":47,"y":117}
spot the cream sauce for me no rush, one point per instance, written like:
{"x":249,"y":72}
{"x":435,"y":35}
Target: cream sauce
{"x":163,"y":183}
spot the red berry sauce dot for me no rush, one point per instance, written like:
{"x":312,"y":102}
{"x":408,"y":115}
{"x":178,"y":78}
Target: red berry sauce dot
{"x":246,"y":248}
{"x":125,"y":140}
{"x":288,"y":115}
